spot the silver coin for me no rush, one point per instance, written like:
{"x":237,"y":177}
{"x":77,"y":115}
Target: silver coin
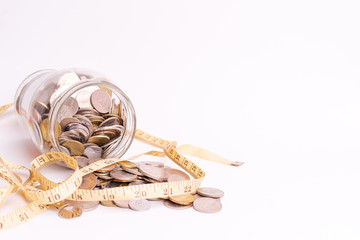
{"x":152,"y":163}
{"x":153,"y":172}
{"x":65,"y":121}
{"x":110,"y":122}
{"x":68,"y":79}
{"x":176,"y":175}
{"x":137,"y":182}
{"x":207,"y":205}
{"x":101,"y":101}
{"x":122,"y":203}
{"x":139,"y":204}
{"x":210,"y":192}
{"x":93,"y":152}
{"x":69,"y":108}
{"x":83,"y":99}
{"x":172,"y":205}
{"x":120,"y":175}
{"x":82,"y":161}
{"x":132,"y":170}
{"x":58,"y":92}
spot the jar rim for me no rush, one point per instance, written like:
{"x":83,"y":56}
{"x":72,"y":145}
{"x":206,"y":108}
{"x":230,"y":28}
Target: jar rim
{"x":129,"y":124}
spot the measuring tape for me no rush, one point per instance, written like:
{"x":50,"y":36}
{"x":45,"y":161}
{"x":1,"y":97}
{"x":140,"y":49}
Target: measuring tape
{"x":53,"y":193}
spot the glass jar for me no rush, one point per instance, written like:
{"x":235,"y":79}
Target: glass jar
{"x":71,"y":110}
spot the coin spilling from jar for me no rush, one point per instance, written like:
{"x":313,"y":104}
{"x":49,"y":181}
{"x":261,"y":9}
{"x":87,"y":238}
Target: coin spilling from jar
{"x":90,"y":123}
{"x":128,"y":173}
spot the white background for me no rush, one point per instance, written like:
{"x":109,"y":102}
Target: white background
{"x":272,"y":83}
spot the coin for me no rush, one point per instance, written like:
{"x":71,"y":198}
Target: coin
{"x":86,"y":206}
{"x":153,"y":172}
{"x":93,"y":152}
{"x":69,"y":212}
{"x":152,"y":163}
{"x":176,"y":175}
{"x":104,"y":169}
{"x":83,"y":99}
{"x":65,"y":121}
{"x":89,"y":181}
{"x":101,"y":101}
{"x":41,"y":107}
{"x":172,"y":205}
{"x":207,"y":205}
{"x":132,"y":170}
{"x":76,"y":148}
{"x":108,"y":203}
{"x":44,"y":128}
{"x":185,"y":199}
{"x":127,"y":164}
{"x":210,"y":192}
{"x":82,"y":161}
{"x":68,"y":79}
{"x":99,"y":140}
{"x":69,"y":108}
{"x":122,"y":176}
{"x":139,"y":204}
{"x":122,"y":203}
{"x":137,"y":182}
{"x":110,"y":122}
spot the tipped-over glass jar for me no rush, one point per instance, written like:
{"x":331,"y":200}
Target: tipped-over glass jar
{"x":76,"y":111}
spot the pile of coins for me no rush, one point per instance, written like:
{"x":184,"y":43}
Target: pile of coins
{"x":127,"y":173}
{"x":90,"y":123}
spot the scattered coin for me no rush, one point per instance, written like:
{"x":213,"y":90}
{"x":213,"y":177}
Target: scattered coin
{"x":210,"y":192}
{"x":89,"y":181}
{"x":107,"y":203}
{"x":207,"y":205}
{"x":69,"y":212}
{"x":122,"y":176}
{"x":122,"y":203}
{"x":139,"y":204}
{"x":176,"y":175}
{"x":176,"y":206}
{"x":127,"y":164}
{"x":82,"y":161}
{"x":150,"y":171}
{"x":86,"y":206}
{"x":185,"y":199}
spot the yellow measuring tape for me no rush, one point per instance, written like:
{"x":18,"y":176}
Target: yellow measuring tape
{"x":54,"y":193}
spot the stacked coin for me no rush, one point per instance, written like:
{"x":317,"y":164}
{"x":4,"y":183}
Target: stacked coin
{"x":127,"y":173}
{"x":90,"y":123}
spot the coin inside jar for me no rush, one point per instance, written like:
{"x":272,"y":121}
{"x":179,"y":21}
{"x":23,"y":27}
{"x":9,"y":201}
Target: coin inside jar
{"x":76,"y":148}
{"x":99,"y":140}
{"x":101,"y":101}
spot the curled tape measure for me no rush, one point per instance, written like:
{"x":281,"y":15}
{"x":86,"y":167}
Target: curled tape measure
{"x":54,"y":193}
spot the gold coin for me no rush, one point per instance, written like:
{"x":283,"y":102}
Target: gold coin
{"x":185,"y":199}
{"x":89,"y":181}
{"x":106,"y":89}
{"x":99,"y":140}
{"x":108,"y":203}
{"x":44,"y":128}
{"x":70,"y":212}
{"x":127,"y":164}
{"x":76,"y":148}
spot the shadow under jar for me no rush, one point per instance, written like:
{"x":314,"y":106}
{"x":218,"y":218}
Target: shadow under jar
{"x":76,"y":111}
